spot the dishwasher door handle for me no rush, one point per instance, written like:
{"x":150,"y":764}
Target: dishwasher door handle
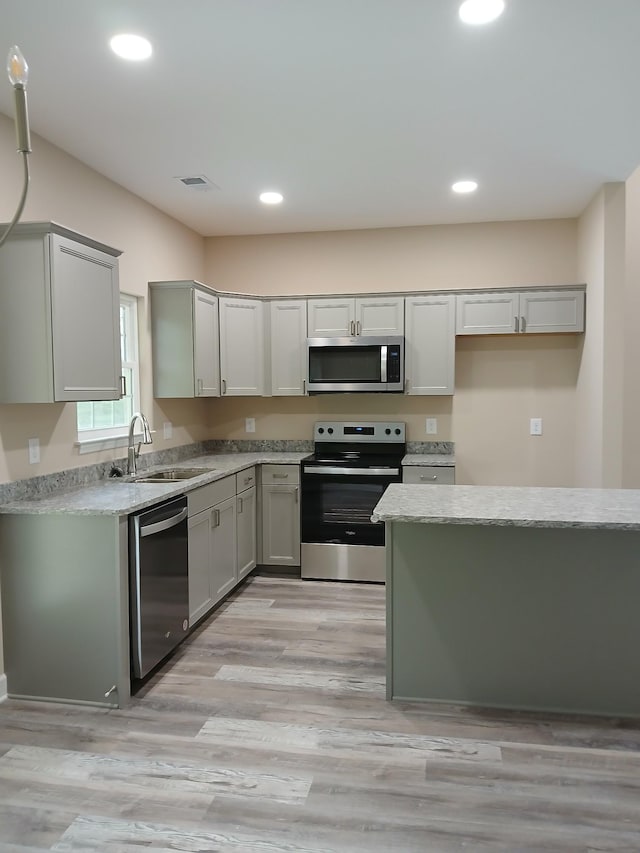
{"x":166,"y":524}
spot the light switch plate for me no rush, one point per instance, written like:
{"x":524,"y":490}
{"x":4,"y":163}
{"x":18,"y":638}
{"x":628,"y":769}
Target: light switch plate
{"x":34,"y":450}
{"x":535,"y":426}
{"x":431,"y":426}
{"x":249,"y":424}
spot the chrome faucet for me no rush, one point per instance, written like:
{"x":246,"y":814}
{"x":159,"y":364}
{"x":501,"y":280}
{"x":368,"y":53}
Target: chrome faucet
{"x":132,"y":453}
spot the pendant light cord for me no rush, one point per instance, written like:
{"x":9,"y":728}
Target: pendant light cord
{"x":23,"y":198}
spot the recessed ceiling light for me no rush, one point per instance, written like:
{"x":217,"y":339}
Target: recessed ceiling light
{"x":464,"y":187}
{"x":128,"y":46}
{"x":480,"y":11}
{"x":271,"y":198}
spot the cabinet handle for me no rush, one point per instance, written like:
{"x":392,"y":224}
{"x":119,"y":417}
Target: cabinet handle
{"x":515,"y":324}
{"x":280,"y":476}
{"x":224,"y":386}
{"x":239,"y":504}
{"x":123,"y":386}
{"x":304,"y":386}
{"x":352,"y":327}
{"x":523,"y":324}
{"x":216,"y":518}
{"x":358,"y":327}
{"x":199,"y":387}
{"x":295,"y":492}
{"x":432,"y":477}
{"x":110,"y":691}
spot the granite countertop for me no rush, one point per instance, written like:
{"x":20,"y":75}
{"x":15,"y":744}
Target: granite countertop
{"x":441,"y":460}
{"x":513,"y":506}
{"x":121,"y":496}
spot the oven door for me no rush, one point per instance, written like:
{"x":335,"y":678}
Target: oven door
{"x":337,"y":503}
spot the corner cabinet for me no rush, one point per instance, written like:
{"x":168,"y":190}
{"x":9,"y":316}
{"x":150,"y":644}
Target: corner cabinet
{"x":363,"y":315}
{"x":430,"y":344}
{"x":59,"y":317}
{"x":241,"y":347}
{"x":184,"y":339}
{"x":525,"y":312}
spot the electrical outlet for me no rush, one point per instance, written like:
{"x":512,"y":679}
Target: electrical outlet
{"x":249,"y":424}
{"x":34,"y":450}
{"x":431,"y":426}
{"x":535,"y":426}
{"x":167,"y":427}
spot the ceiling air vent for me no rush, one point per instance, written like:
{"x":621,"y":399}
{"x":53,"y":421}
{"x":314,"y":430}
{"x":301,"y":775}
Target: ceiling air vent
{"x":198,"y":182}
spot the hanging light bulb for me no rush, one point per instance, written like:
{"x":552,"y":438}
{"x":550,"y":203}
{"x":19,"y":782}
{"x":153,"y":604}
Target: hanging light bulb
{"x":18,"y":72}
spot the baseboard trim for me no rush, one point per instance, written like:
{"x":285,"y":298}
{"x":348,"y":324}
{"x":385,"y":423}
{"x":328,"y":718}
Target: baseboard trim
{"x":3,"y":687}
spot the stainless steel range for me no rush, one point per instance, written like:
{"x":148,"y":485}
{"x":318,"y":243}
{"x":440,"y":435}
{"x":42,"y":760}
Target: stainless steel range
{"x":342,"y":481}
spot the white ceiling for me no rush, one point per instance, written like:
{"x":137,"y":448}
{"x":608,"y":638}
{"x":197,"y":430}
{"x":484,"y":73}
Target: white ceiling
{"x":361,"y":112}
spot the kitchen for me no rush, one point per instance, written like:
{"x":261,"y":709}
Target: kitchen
{"x":582,"y":386}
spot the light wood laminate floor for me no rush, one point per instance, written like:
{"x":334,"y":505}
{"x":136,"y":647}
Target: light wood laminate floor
{"x":268,"y":731}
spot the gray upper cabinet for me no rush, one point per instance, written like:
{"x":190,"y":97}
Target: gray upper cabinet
{"x":525,"y":312}
{"x":362,"y":315}
{"x":287,"y":345}
{"x":430,"y":344}
{"x":241,"y":347}
{"x":184,"y":338}
{"x":59,"y":317}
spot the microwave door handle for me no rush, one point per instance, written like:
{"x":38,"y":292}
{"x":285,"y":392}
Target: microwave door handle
{"x":383,"y":363}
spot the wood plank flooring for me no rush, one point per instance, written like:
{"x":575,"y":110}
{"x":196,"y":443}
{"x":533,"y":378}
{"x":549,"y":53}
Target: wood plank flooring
{"x":268,"y":731}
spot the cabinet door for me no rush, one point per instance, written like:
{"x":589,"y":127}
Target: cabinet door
{"x":546,"y":311}
{"x":200,"y":597}
{"x":241,"y":347}
{"x":487,"y":314}
{"x":380,"y":316}
{"x":85,"y":304}
{"x":430,"y":344}
{"x":223,"y":548}
{"x":280,"y":526}
{"x":205,"y":345}
{"x":246,"y":531}
{"x":288,"y":347}
{"x":331,"y":318}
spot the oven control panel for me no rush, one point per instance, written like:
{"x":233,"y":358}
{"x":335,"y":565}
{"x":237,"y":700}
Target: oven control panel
{"x":377,"y":431}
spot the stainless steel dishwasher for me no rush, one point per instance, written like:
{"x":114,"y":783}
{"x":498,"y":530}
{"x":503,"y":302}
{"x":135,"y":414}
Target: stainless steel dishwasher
{"x":159,"y":583}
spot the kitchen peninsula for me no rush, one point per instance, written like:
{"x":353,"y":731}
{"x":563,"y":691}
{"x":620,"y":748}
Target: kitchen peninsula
{"x":514,"y":597}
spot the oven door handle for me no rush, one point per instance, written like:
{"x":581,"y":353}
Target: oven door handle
{"x":351,"y":472}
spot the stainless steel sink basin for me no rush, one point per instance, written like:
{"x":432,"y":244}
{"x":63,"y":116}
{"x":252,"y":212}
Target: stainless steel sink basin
{"x":171,"y":475}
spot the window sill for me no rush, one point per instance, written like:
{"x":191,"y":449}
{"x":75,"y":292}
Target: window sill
{"x":95,"y":445}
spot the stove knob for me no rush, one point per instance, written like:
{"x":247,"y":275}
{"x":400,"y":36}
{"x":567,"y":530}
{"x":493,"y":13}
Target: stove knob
{"x":398,"y":431}
{"x":388,"y":431}
{"x":330,"y":430}
{"x":320,"y":430}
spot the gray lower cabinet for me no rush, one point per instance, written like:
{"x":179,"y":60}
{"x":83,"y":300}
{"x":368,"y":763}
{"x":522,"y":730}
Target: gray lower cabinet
{"x":280,"y":493}
{"x":222,"y":539}
{"x":429,"y":475}
{"x":65,"y":616}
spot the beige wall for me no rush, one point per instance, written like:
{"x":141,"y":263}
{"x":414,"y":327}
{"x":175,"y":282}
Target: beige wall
{"x":444,"y":257}
{"x":500,"y":381}
{"x":154,"y":246}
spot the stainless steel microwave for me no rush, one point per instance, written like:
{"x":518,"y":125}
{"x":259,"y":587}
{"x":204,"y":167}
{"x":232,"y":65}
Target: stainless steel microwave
{"x":355,"y":365}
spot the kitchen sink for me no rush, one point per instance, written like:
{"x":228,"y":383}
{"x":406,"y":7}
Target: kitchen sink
{"x":171,"y":475}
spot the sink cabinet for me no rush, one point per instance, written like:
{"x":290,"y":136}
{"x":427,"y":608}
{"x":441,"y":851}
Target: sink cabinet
{"x":59,"y":317}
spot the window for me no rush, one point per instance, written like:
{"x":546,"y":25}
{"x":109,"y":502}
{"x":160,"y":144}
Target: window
{"x":107,"y":419}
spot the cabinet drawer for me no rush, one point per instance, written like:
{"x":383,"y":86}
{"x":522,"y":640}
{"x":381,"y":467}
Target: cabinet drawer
{"x":245,"y":480}
{"x":429,"y":475}
{"x":280,"y":475}
{"x":214,"y":493}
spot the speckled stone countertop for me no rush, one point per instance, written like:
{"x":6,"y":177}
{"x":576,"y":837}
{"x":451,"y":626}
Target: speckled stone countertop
{"x":513,"y":506}
{"x":121,"y":496}
{"x":442,"y":460}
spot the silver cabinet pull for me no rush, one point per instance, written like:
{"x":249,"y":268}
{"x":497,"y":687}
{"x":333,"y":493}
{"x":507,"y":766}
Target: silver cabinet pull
{"x":224,"y":386}
{"x":352,"y":327}
{"x":296,"y":494}
{"x":110,"y":691}
{"x":200,"y":387}
{"x":280,"y":476}
{"x":216,"y":518}
{"x":239,"y":505}
{"x":523,"y":324}
{"x":123,"y":386}
{"x":515,"y":324}
{"x":358,"y":327}
{"x":432,"y":477}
